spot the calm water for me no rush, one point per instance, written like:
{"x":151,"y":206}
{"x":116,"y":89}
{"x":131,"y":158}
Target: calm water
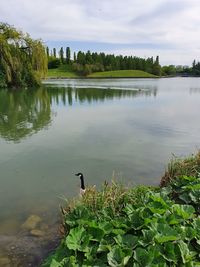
{"x":128,"y":128}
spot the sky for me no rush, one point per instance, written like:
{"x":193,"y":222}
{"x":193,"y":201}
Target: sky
{"x":144,"y":28}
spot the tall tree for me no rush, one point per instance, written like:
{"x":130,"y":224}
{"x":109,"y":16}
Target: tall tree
{"x":54,"y":52}
{"x":74,"y":56}
{"x":68,"y":55}
{"x":62,"y":55}
{"x":47,"y":51}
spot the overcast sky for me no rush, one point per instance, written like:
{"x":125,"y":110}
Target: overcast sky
{"x":168,"y":28}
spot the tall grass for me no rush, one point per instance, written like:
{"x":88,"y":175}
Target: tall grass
{"x":189,"y":166}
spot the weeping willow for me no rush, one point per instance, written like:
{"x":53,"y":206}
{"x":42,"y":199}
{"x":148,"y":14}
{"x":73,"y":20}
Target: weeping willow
{"x":23,"y":61}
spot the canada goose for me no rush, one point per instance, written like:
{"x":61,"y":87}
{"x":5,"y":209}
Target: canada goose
{"x":82,"y":188}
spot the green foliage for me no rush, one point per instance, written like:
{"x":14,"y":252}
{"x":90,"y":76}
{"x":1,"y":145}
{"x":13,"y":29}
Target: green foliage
{"x":181,"y":167}
{"x":139,"y":227}
{"x":53,"y":62}
{"x":86,"y":63}
{"x":23,"y":61}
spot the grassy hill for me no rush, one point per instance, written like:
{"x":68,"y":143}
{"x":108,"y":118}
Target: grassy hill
{"x":64,"y":72}
{"x":122,"y":74}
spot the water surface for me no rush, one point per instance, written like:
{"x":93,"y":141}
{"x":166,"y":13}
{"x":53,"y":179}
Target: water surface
{"x":127,"y":128}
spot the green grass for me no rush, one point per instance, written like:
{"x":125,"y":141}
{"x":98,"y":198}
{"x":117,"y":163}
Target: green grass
{"x":122,"y":74}
{"x":65,"y":72}
{"x":61,"y":72}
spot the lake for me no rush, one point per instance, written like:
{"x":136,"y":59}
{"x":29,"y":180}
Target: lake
{"x":125,"y":129}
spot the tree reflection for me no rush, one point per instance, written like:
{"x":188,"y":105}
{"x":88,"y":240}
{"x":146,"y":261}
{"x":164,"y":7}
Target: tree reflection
{"x":23,"y":113}
{"x":90,"y":95}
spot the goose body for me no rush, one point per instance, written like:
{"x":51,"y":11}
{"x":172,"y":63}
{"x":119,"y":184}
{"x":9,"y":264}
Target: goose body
{"x":82,"y":188}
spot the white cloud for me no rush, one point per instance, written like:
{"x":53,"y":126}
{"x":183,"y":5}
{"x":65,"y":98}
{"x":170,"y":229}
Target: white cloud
{"x":172,"y":23}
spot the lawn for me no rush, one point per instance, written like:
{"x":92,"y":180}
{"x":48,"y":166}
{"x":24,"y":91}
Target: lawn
{"x":122,"y":74}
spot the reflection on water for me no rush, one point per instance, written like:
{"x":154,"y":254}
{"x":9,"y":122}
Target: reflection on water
{"x":23,"y":113}
{"x":129,"y":126}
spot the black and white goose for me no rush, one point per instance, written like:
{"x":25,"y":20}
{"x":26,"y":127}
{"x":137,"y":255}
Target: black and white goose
{"x":82,"y":188}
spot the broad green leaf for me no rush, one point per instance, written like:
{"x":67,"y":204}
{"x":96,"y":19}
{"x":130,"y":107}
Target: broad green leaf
{"x":107,"y":227}
{"x":117,"y":258}
{"x":165,"y":233}
{"x":78,"y":239}
{"x":120,"y":223}
{"x":127,"y":240}
{"x":148,"y":237}
{"x":137,"y":221}
{"x":186,"y":255}
{"x":80,"y":215}
{"x":172,"y":219}
{"x":72,"y":262}
{"x":193,"y":187}
{"x":106,"y":244}
{"x":184,"y":211}
{"x":188,"y":232}
{"x":143,"y":257}
{"x":96,"y":234}
{"x":158,"y":204}
{"x":168,"y":252}
{"x":118,"y":231}
{"x":163,"y":239}
{"x":62,"y":263}
{"x":129,"y":209}
{"x":185,"y":197}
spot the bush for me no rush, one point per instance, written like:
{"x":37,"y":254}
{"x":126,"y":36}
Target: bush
{"x":53,"y":63}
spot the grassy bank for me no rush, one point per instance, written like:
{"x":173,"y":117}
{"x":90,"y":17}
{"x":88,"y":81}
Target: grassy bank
{"x":61,"y":72}
{"x":122,"y":74}
{"x":64,"y":72}
{"x":140,"y":226}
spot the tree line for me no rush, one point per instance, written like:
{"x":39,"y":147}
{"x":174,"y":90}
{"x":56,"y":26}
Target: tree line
{"x":85,"y":63}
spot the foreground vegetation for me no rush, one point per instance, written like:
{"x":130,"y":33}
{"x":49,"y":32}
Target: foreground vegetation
{"x":141,"y":226}
{"x":23,"y":61}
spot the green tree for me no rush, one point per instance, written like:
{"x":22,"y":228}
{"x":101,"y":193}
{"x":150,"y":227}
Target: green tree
{"x":47,"y":51}
{"x":156,"y":70}
{"x":23,"y":61}
{"x":68,"y":55}
{"x":74,"y":56}
{"x":54,"y":52}
{"x":62,"y":55}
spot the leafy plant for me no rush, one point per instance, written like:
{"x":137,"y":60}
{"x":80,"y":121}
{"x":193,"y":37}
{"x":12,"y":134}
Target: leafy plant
{"x":137,"y":227}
